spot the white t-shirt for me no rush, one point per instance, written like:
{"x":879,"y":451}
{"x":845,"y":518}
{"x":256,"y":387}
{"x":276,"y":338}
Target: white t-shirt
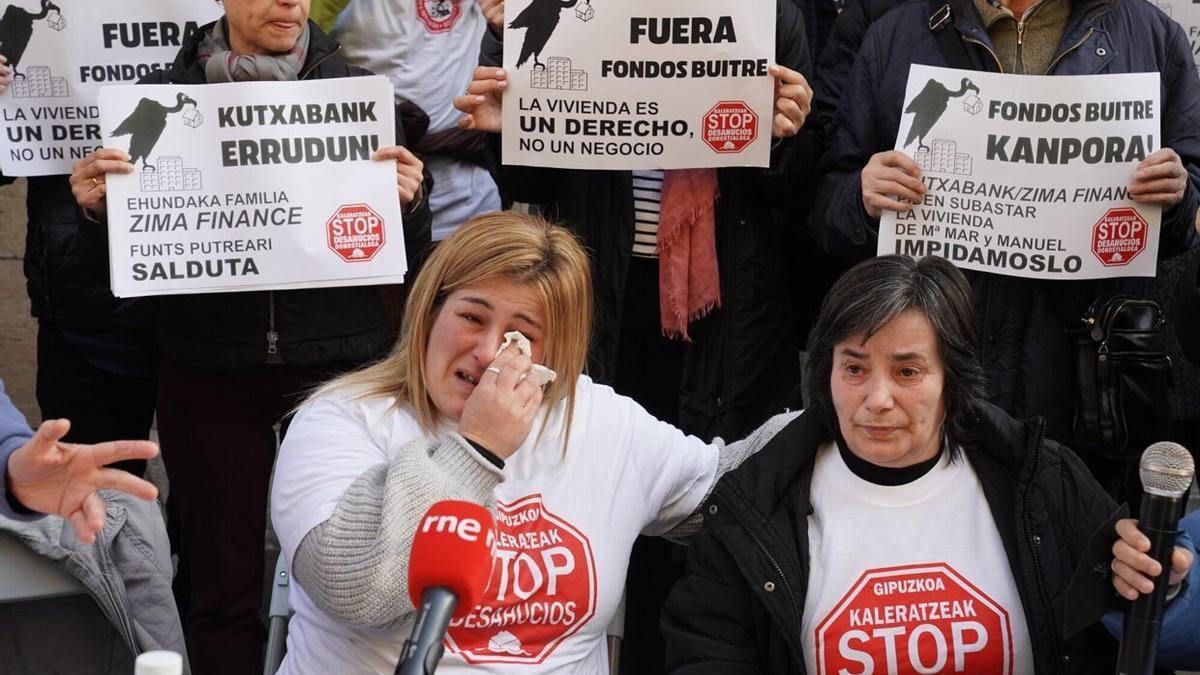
{"x":566,"y":524}
{"x":910,"y":578}
{"x":429,"y":50}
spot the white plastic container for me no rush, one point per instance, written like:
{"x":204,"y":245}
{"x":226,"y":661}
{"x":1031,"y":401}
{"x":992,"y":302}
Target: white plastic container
{"x":158,"y":663}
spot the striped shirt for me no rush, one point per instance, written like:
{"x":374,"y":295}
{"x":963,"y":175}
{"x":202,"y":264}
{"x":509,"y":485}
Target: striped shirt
{"x":647,"y":202}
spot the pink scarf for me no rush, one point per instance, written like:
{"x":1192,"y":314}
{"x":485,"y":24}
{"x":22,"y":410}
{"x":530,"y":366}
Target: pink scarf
{"x":689,"y":285}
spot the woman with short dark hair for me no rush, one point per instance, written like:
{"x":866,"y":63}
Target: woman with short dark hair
{"x":901,"y":524}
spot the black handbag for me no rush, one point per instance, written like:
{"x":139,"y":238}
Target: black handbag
{"x":1122,"y":377}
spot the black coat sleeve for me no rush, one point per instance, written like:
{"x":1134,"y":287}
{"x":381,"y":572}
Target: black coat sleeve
{"x":1181,"y":133}
{"x":836,"y":59}
{"x":709,"y":617}
{"x":793,"y":160}
{"x":1087,"y":515}
{"x":418,"y":223}
{"x":839,"y":223}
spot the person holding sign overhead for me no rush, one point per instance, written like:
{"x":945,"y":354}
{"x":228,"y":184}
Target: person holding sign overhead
{"x":97,"y":363}
{"x":428,"y":50}
{"x":694,"y":314}
{"x":1026,"y":354}
{"x":235,"y":364}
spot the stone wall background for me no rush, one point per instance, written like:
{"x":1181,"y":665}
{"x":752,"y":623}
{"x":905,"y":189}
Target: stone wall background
{"x":18,"y":331}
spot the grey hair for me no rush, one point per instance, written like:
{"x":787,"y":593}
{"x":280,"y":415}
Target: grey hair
{"x":872,"y":294}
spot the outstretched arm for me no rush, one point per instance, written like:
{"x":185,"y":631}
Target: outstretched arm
{"x":46,"y":475}
{"x":729,"y":458}
{"x":14,"y":433}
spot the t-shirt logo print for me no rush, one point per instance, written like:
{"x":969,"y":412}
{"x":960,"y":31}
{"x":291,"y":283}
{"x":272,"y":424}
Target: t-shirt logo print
{"x":915,"y":619}
{"x":439,"y":16}
{"x":542,"y":590}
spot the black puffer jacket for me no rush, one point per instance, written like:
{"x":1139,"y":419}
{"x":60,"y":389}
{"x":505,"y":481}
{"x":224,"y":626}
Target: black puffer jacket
{"x":324,"y":326}
{"x":1025,"y":351}
{"x":742,"y":363}
{"x":724,"y":618}
{"x":66,"y":265}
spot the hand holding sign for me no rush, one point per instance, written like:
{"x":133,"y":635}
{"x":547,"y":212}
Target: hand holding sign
{"x":410,"y":171}
{"x":87,"y":177}
{"x":6,"y":73}
{"x":892,"y":181}
{"x":1159,"y":179}
{"x":793,"y":101}
{"x":482,"y":104}
{"x":493,"y":11}
{"x":49,"y":476}
{"x":1132,"y":568}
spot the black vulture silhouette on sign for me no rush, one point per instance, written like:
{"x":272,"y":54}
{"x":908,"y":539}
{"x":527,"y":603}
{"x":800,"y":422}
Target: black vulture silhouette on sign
{"x":539,"y":20}
{"x":145,"y":124}
{"x":16,"y":27}
{"x":927,"y":108}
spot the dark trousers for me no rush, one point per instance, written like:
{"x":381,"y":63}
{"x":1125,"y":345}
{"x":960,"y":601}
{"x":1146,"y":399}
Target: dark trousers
{"x":218,"y":442}
{"x":649,"y":368}
{"x":102,"y":405}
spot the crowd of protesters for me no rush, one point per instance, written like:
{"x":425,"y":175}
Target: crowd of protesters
{"x":965,"y":447}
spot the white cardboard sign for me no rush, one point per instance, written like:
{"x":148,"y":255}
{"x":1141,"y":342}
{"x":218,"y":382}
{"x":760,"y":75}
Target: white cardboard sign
{"x":63,"y":51}
{"x":626,"y":84}
{"x":1028,"y":176}
{"x":252,"y":186}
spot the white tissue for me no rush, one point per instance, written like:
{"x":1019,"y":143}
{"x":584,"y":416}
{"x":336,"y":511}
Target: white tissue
{"x":543,"y":374}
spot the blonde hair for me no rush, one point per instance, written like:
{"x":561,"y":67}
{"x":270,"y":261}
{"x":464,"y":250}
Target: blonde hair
{"x":521,"y":249}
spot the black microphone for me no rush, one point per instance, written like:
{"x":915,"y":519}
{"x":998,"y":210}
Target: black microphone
{"x":1166,"y":470}
{"x":448,"y":570}
{"x":423,"y":649}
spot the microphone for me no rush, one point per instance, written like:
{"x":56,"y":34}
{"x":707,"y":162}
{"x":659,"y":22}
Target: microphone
{"x":448,"y":572}
{"x":1166,"y":470}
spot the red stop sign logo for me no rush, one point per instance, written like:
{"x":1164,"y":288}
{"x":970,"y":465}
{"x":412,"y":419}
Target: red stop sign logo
{"x":542,"y":590}
{"x":1119,"y":236}
{"x":729,"y":127}
{"x":915,"y":619}
{"x":356,"y":233}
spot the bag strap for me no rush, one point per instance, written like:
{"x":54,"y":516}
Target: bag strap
{"x":953,"y":49}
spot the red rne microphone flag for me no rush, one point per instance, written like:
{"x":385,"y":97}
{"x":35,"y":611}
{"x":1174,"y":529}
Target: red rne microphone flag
{"x":453,"y":549}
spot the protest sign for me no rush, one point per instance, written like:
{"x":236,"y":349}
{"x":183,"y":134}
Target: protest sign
{"x":1028,"y":176}
{"x":623,"y":86}
{"x":62,"y":52}
{"x":252,"y":186}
